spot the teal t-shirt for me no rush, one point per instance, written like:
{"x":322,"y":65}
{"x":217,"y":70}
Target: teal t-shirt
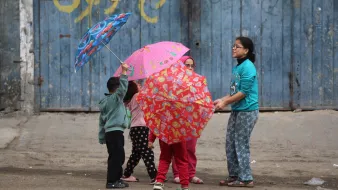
{"x":244,"y":79}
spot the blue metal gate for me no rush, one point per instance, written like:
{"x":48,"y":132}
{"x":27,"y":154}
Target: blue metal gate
{"x":296,"y":47}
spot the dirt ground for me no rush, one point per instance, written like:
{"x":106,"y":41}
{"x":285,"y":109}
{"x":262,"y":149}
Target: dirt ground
{"x":61,"y":151}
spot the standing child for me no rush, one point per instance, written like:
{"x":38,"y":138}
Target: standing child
{"x":191,"y":144}
{"x":139,"y":137}
{"x":179,"y":151}
{"x":244,"y":101}
{"x":113,"y":122}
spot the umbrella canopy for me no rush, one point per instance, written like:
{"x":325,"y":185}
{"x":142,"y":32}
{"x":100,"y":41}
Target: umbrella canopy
{"x":153,"y":58}
{"x":176,"y":103}
{"x":97,"y":37}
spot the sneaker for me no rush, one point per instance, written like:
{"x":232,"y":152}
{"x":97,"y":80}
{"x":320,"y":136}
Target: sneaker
{"x":123,"y":182}
{"x":152,"y":182}
{"x":116,"y":185}
{"x":158,"y":186}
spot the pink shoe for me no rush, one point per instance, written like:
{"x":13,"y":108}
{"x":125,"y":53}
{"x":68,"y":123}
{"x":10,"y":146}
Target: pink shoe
{"x":196,"y":180}
{"x":130,"y":179}
{"x":176,"y":180}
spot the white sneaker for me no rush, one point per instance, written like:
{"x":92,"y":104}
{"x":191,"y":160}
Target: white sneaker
{"x":158,"y":186}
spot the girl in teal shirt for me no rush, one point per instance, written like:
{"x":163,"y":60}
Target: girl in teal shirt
{"x":243,"y":98}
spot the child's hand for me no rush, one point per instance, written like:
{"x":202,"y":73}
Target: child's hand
{"x":102,"y":141}
{"x":217,"y":101}
{"x":125,"y":68}
{"x":150,"y":145}
{"x":221,"y":104}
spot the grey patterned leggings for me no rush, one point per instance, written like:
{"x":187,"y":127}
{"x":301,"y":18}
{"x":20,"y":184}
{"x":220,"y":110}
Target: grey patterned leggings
{"x":239,"y":130}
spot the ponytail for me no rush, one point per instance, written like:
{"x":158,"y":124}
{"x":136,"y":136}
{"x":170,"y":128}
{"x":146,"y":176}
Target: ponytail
{"x":252,"y":57}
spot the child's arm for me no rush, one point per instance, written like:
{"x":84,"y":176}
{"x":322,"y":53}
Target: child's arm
{"x":122,"y":89}
{"x":102,"y":139}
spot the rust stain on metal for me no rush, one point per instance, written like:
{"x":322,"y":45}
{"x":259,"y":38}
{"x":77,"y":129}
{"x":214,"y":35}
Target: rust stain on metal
{"x":65,"y":35}
{"x":296,"y":3}
{"x":40,"y":81}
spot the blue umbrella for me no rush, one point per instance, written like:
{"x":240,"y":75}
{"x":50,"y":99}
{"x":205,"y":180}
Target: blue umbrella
{"x":97,"y":37}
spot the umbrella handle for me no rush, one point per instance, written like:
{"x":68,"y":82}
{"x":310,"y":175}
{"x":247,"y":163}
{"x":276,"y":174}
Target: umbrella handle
{"x":121,"y":62}
{"x":112,"y":52}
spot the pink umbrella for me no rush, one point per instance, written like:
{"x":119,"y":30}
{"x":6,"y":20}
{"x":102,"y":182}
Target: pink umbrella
{"x":153,"y":58}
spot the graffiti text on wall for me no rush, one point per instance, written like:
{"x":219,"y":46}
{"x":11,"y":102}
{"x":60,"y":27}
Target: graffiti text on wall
{"x":87,"y":12}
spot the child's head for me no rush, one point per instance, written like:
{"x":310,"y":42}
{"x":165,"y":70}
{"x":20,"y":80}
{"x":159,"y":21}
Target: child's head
{"x":132,"y":90}
{"x":243,"y":48}
{"x":188,"y":62}
{"x":113,"y":83}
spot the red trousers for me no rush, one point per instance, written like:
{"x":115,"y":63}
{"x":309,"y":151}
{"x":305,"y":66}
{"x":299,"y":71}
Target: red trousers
{"x":191,"y":150}
{"x":179,"y":151}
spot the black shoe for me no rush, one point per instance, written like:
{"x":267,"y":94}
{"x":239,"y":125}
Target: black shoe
{"x":123,"y":182}
{"x":116,"y":185}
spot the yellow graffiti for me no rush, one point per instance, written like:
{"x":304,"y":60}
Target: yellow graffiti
{"x":108,"y":11}
{"x":145,"y":16}
{"x":112,"y":8}
{"x":160,"y":4}
{"x":67,"y":8}
{"x":87,"y":10}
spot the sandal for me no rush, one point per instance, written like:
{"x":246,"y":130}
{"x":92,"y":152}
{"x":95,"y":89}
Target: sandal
{"x":237,"y":183}
{"x":227,"y":180}
{"x":176,"y":180}
{"x":130,"y":179}
{"x":196,"y":180}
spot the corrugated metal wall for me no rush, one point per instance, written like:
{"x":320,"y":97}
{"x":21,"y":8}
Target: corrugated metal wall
{"x":58,"y":34}
{"x":10,"y":55}
{"x":296,"y":46}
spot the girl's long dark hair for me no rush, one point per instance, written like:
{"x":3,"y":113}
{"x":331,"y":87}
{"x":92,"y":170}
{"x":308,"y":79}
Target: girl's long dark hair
{"x":248,"y":44}
{"x":132,"y":90}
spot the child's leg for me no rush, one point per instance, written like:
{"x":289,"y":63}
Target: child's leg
{"x":135,"y":152}
{"x":165,"y":159}
{"x":115,"y":147}
{"x":192,"y":159}
{"x":174,"y":168}
{"x":230,"y":147}
{"x":244,"y":126}
{"x":146,"y":153}
{"x":181,"y":160}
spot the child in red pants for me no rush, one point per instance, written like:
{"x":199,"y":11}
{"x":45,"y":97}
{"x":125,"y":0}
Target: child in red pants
{"x":179,"y":151}
{"x":191,"y":145}
{"x":191,"y":150}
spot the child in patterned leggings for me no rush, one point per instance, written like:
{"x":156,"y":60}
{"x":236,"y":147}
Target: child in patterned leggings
{"x":139,"y":137}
